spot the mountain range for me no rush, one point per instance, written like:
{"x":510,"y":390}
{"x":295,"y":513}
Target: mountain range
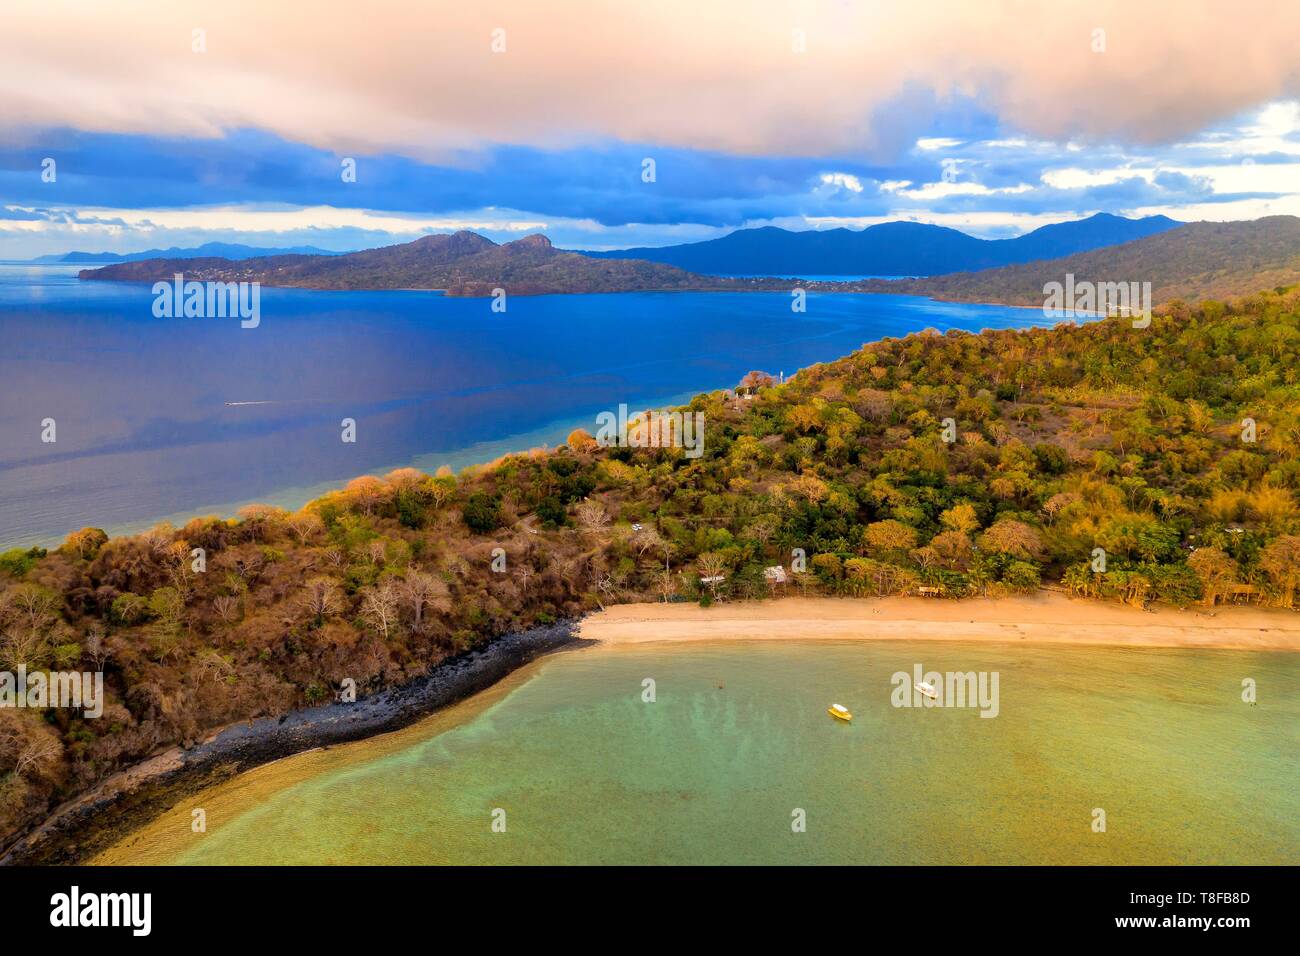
{"x":1198,"y":260}
{"x":888,"y":249}
{"x":224,"y":250}
{"x":461,"y":264}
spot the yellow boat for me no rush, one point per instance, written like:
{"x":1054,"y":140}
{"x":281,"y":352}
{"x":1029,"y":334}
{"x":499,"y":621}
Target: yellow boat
{"x":838,"y":712}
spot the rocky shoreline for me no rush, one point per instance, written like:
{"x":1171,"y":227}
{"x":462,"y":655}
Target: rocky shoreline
{"x":124,"y":802}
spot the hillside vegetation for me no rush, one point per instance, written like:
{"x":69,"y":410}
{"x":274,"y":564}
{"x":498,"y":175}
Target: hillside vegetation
{"x":1067,"y":440}
{"x":1203,"y":260}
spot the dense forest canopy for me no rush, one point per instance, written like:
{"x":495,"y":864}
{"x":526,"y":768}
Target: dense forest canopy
{"x":1169,"y":451}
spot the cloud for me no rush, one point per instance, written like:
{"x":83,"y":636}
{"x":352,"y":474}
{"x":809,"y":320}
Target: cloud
{"x":936,"y":142}
{"x":838,"y":181}
{"x":420,"y":79}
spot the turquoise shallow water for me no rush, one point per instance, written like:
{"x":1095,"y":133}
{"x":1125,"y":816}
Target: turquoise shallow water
{"x":738,"y":738}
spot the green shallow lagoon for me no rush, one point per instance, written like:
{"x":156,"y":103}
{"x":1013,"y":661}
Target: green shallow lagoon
{"x":739,"y":737}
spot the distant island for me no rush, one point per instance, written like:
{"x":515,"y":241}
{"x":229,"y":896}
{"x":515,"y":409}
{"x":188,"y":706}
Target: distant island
{"x":224,"y":250}
{"x":1198,"y":260}
{"x":460,"y":264}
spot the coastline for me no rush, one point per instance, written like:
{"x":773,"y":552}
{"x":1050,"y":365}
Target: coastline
{"x":131,"y":798}
{"x":294,"y":497}
{"x":1043,"y":618}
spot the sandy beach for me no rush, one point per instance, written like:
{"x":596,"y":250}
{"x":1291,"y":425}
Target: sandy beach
{"x":1047,"y":618}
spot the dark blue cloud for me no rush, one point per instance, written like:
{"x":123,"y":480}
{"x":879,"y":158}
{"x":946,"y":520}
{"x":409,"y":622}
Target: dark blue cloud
{"x":602,"y":182}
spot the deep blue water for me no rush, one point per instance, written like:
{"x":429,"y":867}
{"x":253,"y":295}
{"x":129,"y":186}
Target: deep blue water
{"x":817,"y":276}
{"x":143,"y":431}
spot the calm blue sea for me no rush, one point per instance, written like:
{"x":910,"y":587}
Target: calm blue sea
{"x":144,"y":431}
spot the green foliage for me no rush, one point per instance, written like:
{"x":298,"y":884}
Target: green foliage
{"x":552,"y":512}
{"x":16,"y":562}
{"x":129,"y":609}
{"x":482,"y":512}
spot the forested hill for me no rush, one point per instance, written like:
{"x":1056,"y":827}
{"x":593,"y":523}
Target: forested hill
{"x":1202,"y":260}
{"x":1174,"y":448}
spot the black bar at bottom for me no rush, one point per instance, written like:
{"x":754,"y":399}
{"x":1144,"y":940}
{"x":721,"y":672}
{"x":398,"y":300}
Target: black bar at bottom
{"x":929,"y":906}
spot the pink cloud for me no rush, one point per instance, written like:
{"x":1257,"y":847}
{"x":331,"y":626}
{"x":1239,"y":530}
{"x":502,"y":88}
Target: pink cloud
{"x":421,"y":78}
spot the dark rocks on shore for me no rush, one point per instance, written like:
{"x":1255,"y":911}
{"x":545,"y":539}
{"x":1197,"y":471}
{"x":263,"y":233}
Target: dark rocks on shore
{"x":126,"y":801}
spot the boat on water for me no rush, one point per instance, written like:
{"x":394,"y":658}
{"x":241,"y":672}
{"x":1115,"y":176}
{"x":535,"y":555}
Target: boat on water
{"x":927,"y":689}
{"x":839,"y":712}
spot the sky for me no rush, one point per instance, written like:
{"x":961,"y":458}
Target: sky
{"x":138,"y":125}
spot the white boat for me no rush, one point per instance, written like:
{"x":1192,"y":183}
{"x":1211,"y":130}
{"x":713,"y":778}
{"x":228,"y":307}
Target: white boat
{"x":927,"y":690}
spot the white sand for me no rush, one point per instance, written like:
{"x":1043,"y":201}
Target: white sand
{"x":1046,"y":617}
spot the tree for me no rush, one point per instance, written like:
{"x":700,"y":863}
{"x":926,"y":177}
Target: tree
{"x":129,"y":609}
{"x":305,"y":525}
{"x":85,"y":544}
{"x":261,"y":521}
{"x":551,"y":511}
{"x":763,"y":529}
{"x":1138,"y":536}
{"x":1272,"y":507}
{"x":646,"y":540}
{"x":29,"y":619}
{"x":482,"y":512}
{"x":592,"y":516}
{"x":422,"y":590}
{"x":753,"y":381}
{"x":828,"y":567}
{"x":890,"y":535}
{"x":960,"y":518}
{"x":441,"y":489}
{"x":1281,"y":562}
{"x":806,"y":418}
{"x":405,"y":479}
{"x":167,"y":607}
{"x":227,"y":607}
{"x":321,"y":598}
{"x":95,"y":649}
{"x":379,"y":605}
{"x":711,"y":564}
{"x":1059,"y":503}
{"x":525,"y":574}
{"x":810,"y":487}
{"x":180,"y":569}
{"x":28,"y":749}
{"x":953,"y":548}
{"x":580,"y":440}
{"x":365,"y":493}
{"x":1215,"y":569}
{"x":1014,"y":538}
